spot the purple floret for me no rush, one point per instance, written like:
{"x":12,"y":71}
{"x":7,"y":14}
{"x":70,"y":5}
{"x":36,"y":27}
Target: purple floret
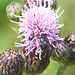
{"x":35,"y":21}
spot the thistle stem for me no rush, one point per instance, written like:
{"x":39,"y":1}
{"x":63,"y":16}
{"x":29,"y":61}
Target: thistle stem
{"x":61,"y":69}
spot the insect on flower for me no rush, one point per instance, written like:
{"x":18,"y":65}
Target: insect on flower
{"x":35,"y":22}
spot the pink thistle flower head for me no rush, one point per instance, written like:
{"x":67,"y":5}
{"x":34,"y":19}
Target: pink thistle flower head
{"x":35,"y":21}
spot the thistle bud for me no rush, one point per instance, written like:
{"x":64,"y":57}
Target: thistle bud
{"x":70,"y":40}
{"x":61,"y":51}
{"x":14,"y":9}
{"x":11,"y":63}
{"x":32,"y":61}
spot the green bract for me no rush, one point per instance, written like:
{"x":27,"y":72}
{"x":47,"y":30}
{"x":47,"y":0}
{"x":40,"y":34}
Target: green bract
{"x":14,"y":9}
{"x":61,"y":51}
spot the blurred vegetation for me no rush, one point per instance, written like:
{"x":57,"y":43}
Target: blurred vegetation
{"x":8,"y":36}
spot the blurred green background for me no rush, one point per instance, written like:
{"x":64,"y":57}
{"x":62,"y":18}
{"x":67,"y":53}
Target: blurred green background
{"x":8,"y":35}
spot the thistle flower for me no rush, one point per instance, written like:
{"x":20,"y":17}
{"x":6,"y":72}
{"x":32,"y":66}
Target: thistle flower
{"x":61,"y":52}
{"x":35,"y":21}
{"x":11,"y":63}
{"x":14,"y":9}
